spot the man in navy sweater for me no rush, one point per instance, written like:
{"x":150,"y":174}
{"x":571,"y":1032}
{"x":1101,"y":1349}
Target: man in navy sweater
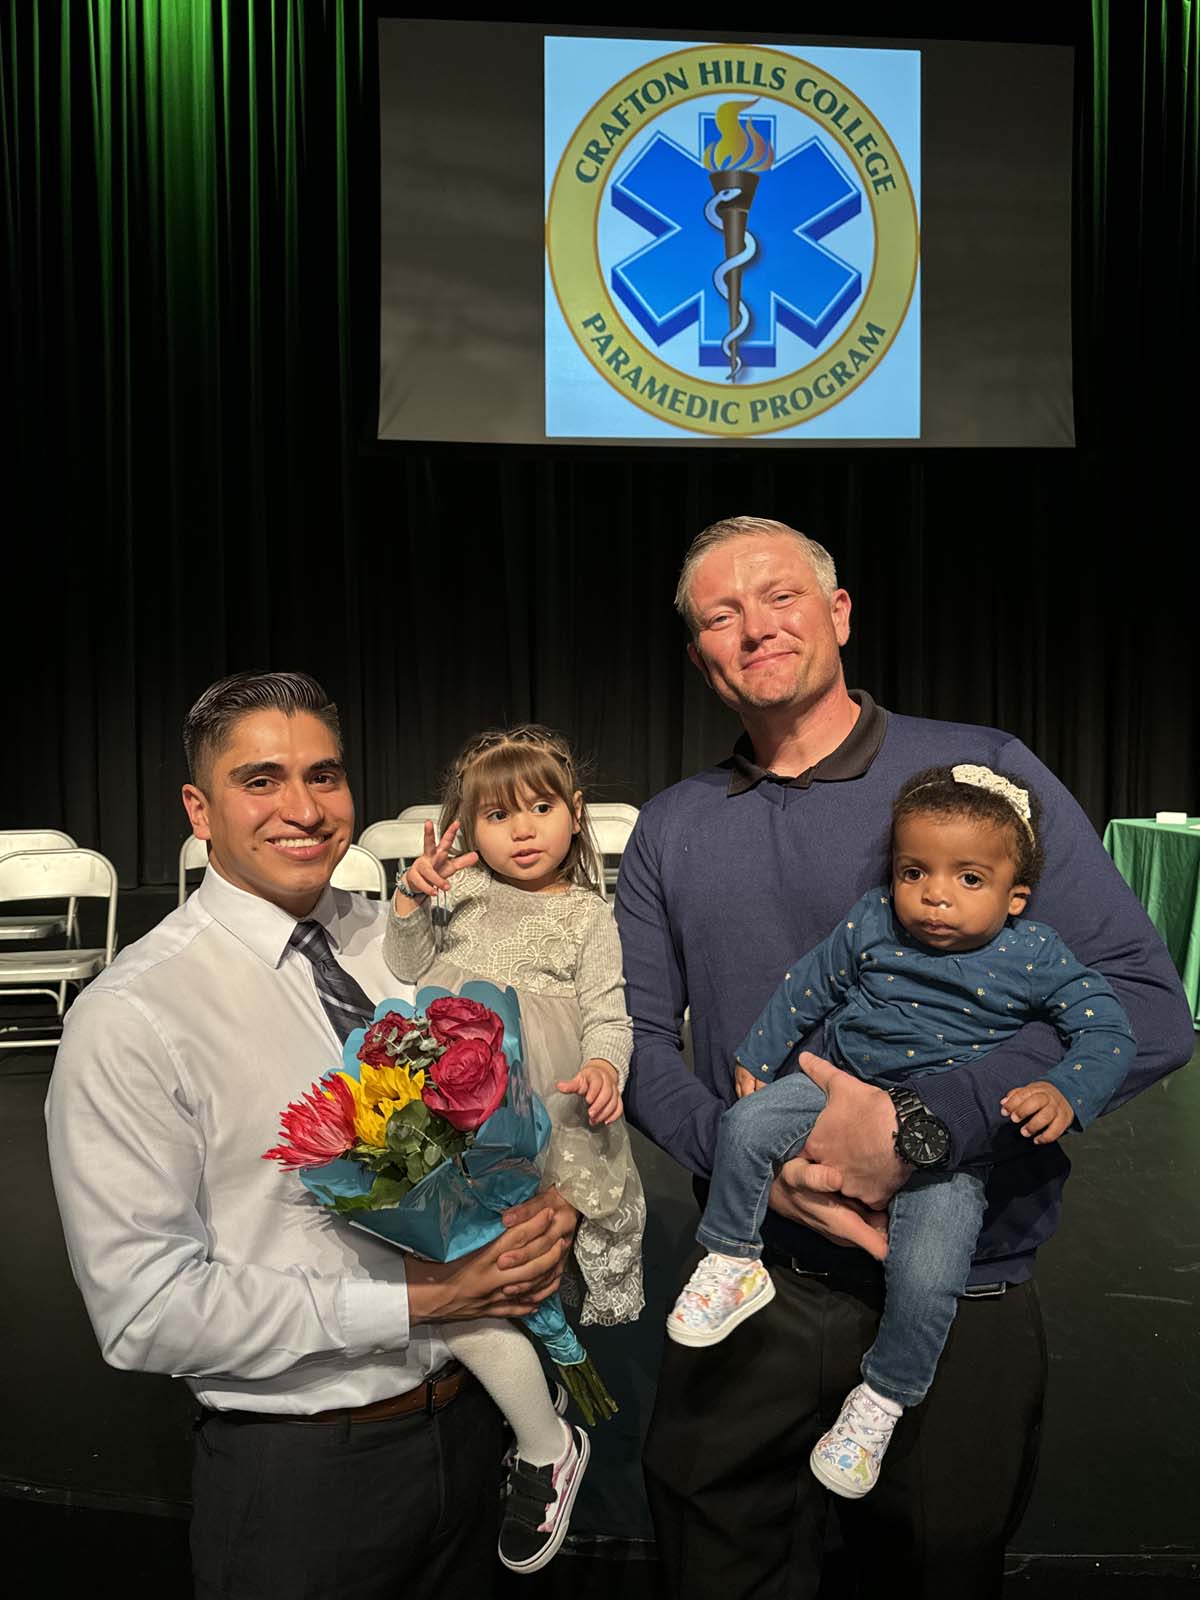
{"x":728,"y":876}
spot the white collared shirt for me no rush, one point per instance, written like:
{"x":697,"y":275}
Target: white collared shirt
{"x":194,"y":1255}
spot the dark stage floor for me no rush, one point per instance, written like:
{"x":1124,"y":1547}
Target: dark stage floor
{"x":63,"y":1550}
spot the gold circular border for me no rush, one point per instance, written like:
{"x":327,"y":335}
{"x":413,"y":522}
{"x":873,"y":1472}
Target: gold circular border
{"x":565,"y":229}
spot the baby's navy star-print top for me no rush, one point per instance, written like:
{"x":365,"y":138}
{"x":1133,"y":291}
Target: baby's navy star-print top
{"x":894,"y":1007}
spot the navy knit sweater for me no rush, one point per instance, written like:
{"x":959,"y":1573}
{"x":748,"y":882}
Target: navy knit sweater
{"x":719,"y":891}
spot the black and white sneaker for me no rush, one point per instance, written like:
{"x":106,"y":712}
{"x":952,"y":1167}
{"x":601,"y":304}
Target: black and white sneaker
{"x":537,"y":1505}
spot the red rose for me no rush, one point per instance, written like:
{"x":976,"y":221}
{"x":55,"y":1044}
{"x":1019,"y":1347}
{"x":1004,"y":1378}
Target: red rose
{"x":389,"y":1030}
{"x":470,"y":1082}
{"x":453,"y":1018}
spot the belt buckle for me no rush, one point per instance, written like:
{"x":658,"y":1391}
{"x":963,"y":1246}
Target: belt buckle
{"x":443,"y":1375}
{"x":985,"y":1291}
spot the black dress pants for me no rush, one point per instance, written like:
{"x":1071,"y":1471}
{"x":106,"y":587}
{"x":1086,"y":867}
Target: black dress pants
{"x":736,"y":1510}
{"x":406,"y":1509}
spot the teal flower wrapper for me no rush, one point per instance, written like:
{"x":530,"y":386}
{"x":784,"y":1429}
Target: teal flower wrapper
{"x":457,"y":1208}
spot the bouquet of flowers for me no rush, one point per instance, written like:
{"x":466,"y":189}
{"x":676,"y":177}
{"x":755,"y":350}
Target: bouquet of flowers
{"x":427,"y":1133}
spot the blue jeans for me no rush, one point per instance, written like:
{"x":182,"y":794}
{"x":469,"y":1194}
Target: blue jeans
{"x":933,"y":1223}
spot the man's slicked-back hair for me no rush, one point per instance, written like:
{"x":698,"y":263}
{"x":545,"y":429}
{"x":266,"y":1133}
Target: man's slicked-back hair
{"x":209,"y":725}
{"x":728,"y":528}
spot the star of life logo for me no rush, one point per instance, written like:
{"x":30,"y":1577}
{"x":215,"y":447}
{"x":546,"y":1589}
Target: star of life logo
{"x":732,"y":240}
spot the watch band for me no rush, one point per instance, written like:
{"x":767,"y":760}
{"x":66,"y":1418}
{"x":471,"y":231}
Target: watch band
{"x":906,"y":1101}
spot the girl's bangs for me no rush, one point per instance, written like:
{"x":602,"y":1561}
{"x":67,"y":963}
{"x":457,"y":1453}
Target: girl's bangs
{"x":501,"y":776}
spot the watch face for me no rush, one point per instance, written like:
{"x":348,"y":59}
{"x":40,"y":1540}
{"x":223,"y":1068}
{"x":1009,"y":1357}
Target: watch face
{"x":923,"y":1140}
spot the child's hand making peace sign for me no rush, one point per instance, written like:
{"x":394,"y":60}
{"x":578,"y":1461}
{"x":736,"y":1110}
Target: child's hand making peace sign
{"x":431,"y":872}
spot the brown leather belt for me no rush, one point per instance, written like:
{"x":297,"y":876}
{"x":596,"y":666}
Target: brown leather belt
{"x":434,"y":1395}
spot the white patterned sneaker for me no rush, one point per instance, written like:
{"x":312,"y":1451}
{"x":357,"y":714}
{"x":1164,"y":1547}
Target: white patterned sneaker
{"x":722,"y":1292}
{"x":538,"y":1502}
{"x":847,"y":1458}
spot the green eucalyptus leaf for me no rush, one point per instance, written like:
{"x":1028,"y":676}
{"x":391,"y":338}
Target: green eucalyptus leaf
{"x":404,"y":1128}
{"x":413,"y":1115}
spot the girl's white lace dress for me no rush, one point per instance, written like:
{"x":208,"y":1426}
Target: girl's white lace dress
{"x":560,"y":952}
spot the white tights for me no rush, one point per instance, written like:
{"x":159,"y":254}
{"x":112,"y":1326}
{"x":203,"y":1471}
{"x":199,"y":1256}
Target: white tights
{"x":506,"y":1364}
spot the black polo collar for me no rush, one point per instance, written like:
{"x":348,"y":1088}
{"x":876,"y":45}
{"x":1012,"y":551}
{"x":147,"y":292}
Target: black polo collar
{"x":850,"y":760}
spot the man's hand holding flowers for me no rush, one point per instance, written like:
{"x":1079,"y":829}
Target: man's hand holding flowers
{"x":508,"y":1278}
{"x":560,"y":1227}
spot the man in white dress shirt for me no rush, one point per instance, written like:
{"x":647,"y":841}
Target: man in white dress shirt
{"x":340,"y":1450}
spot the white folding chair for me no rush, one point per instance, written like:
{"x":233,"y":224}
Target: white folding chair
{"x":359,"y":869}
{"x":398,"y":839}
{"x":611,"y":835}
{"x":54,"y":875}
{"x":429,"y":811}
{"x":613,"y":808}
{"x":193,"y":855}
{"x":42,"y":926}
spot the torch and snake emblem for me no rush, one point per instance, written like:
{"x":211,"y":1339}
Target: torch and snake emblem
{"x":734,"y":163}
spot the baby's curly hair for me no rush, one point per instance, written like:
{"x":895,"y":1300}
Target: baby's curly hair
{"x":936,"y":792}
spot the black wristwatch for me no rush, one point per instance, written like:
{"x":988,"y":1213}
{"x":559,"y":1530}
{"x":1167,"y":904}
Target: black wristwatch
{"x":922,"y":1139}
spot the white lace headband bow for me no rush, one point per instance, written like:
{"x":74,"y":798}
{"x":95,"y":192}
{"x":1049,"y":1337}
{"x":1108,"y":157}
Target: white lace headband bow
{"x":985,"y":778}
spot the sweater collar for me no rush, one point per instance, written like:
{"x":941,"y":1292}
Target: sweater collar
{"x":850,"y":760}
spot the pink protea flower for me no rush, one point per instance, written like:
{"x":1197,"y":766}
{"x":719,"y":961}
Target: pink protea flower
{"x":318,"y":1128}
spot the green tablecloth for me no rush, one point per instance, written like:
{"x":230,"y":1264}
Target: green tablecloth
{"x":1160,"y":861}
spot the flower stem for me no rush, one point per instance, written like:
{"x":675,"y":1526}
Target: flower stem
{"x":586,"y":1387}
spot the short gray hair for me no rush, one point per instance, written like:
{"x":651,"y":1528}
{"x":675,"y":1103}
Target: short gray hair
{"x":209,"y":724}
{"x":728,"y":528}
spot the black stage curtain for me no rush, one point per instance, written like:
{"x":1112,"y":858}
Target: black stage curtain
{"x":191,"y":205}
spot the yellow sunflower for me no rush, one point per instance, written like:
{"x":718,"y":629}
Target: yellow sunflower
{"x":390,"y":1083}
{"x":379,"y":1092}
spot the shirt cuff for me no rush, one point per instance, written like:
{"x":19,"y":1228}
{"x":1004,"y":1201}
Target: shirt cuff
{"x":953,"y":1097}
{"x":373,"y":1316}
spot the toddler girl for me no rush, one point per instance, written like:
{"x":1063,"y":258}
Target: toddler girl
{"x":924,"y":978}
{"x":523,"y":906}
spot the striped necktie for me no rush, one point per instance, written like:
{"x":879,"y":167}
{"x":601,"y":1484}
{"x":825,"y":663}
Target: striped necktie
{"x":346,"y":1006}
